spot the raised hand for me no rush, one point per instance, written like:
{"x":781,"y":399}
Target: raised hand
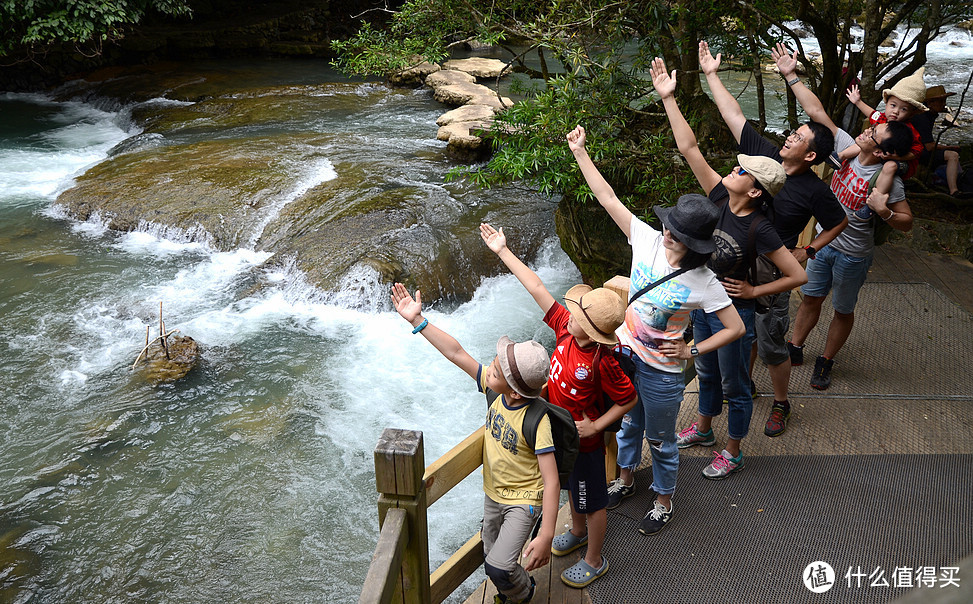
{"x":707,"y":63}
{"x":494,"y":239}
{"x":576,"y":139}
{"x":786,"y":62}
{"x":665,"y":84}
{"x":408,"y":308}
{"x":854,"y":94}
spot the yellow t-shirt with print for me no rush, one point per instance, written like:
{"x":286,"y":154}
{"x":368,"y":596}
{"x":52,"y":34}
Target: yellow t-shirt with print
{"x":511,"y":475}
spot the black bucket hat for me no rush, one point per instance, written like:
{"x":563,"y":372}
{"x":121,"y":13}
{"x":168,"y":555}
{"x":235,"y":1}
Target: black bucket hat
{"x":692,"y":221}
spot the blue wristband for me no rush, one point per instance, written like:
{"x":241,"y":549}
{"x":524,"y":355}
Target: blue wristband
{"x":421,"y":326}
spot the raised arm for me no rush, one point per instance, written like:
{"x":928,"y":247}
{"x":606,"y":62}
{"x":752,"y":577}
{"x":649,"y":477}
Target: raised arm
{"x":497,"y":242}
{"x":599,"y":186}
{"x":725,"y":102}
{"x":411,"y":310}
{"x":665,"y":85}
{"x":787,"y":64}
{"x":855,"y":98}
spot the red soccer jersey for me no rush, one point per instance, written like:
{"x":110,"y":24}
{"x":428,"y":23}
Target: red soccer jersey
{"x":878,"y":117}
{"x":572,"y":381}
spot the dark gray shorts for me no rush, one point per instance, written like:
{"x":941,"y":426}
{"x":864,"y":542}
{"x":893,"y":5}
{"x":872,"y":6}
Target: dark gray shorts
{"x":771,"y":331}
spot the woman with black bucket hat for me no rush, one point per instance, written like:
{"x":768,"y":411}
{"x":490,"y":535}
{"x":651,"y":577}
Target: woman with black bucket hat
{"x":674,"y":261}
{"x":742,"y":233}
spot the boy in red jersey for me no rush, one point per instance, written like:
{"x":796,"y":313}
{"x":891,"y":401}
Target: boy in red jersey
{"x":585,"y":332}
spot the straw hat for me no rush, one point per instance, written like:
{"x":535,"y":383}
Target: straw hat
{"x":525,"y":365}
{"x":937,"y":92}
{"x":692,"y":221}
{"x":910,"y":89}
{"x":769,"y":173}
{"x":599,"y":312}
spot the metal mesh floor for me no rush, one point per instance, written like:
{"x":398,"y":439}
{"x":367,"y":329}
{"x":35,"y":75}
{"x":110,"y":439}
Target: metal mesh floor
{"x":749,"y":538}
{"x":909,"y":339}
{"x":873,"y":473}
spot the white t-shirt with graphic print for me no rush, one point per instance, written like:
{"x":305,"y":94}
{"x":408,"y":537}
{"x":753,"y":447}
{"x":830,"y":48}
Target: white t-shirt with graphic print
{"x":663,"y":312}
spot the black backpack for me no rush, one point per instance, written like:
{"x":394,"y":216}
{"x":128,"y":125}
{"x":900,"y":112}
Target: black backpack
{"x":563,"y":432}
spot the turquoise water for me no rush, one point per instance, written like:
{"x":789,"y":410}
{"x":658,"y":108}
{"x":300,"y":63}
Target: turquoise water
{"x":252,"y":478}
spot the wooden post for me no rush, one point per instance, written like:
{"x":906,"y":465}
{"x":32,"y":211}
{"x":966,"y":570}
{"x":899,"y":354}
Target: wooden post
{"x":399,"y":467}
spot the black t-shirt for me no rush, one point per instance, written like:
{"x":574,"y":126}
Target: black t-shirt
{"x":923,"y":123}
{"x":803,"y":196}
{"x":732,"y":256}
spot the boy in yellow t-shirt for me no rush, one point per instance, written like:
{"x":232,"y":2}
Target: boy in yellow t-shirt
{"x":517,"y":482}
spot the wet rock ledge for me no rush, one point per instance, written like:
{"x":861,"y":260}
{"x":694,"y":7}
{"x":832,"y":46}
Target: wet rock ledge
{"x":456,"y":83}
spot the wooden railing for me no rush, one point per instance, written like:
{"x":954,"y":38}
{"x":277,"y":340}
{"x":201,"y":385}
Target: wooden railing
{"x":399,"y":571}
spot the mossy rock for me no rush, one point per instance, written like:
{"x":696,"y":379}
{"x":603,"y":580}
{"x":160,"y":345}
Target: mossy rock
{"x":171,"y":362}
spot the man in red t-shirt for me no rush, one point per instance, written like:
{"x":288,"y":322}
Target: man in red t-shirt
{"x":582,"y":369}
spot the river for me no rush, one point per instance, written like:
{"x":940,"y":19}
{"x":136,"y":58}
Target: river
{"x":252,"y":478}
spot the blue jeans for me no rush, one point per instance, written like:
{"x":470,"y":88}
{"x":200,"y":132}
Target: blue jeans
{"x":725,"y":372}
{"x":654,"y":416}
{"x":839,"y":273}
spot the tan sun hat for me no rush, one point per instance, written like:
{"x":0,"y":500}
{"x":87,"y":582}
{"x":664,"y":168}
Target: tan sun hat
{"x":599,"y":312}
{"x":524,"y":365}
{"x":768,"y":172}
{"x":937,"y":92}
{"x":910,"y":89}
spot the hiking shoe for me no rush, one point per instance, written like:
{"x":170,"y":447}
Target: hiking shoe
{"x":617,"y":491}
{"x":656,"y":519}
{"x":821,"y":378}
{"x":797,"y":354}
{"x":502,"y":599}
{"x":691,"y":436}
{"x":723,"y":465}
{"x":777,"y":422}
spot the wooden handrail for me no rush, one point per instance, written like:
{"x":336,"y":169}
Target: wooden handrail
{"x":450,"y":469}
{"x":456,"y":569}
{"x":384,"y":570}
{"x":405,"y":495}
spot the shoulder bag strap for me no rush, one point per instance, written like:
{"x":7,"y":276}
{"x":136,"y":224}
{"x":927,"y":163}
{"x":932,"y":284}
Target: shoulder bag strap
{"x":651,"y":286}
{"x":752,"y":245}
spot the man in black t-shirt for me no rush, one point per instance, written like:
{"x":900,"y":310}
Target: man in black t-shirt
{"x":804,"y":196}
{"x":940,"y":153}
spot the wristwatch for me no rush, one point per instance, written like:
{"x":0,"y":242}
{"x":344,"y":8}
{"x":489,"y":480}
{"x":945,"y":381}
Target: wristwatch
{"x":810,"y":251}
{"x":694,"y":352}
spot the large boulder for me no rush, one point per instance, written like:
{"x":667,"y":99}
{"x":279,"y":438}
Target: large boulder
{"x":413,"y":77}
{"x":461,"y":93}
{"x":478,"y":66}
{"x":467,"y":113}
{"x":448,"y":77}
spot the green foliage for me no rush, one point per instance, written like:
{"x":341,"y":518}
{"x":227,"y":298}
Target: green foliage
{"x":593,"y":58}
{"x":530,"y":145}
{"x":34,"y":24}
